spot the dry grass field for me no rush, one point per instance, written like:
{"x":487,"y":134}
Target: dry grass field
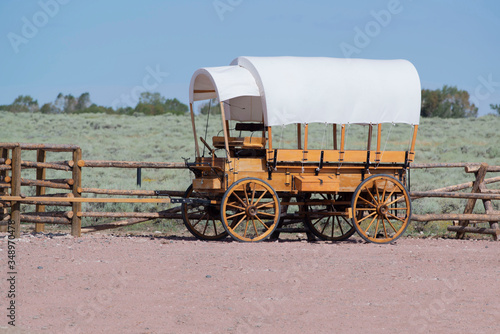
{"x":169,"y":138}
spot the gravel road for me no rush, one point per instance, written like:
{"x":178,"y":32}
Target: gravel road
{"x":104,"y":283}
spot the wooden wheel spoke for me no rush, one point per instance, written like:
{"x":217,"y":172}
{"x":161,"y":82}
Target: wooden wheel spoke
{"x":238,"y":223}
{"x":246,"y":195}
{"x":206,"y":226}
{"x":366,"y":217}
{"x":340,"y":226}
{"x":376,"y":228}
{"x":253,"y":192}
{"x":347,"y":221}
{"x":390,"y":195}
{"x":265,"y":205}
{"x":396,"y":217}
{"x":391,"y":225}
{"x":255,"y":227}
{"x":199,"y":220}
{"x":317,"y":221}
{"x":385,"y":189}
{"x":396,"y":200}
{"x":367,"y":202}
{"x":258,"y":200}
{"x":333,"y":227}
{"x":370,"y":225}
{"x":235,"y":206}
{"x":266,"y":214}
{"x":246,"y":228}
{"x":239,"y":199}
{"x":325,"y":225}
{"x":370,"y":193}
{"x":383,"y":224}
{"x":376,"y":189}
{"x":236,"y":215}
{"x":267,"y":227}
{"x":215,"y":227}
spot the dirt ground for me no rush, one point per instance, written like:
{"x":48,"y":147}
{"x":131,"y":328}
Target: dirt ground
{"x":102,"y":283}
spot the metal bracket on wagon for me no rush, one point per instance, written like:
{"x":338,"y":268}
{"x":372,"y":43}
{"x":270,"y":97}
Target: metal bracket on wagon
{"x":181,"y":200}
{"x":199,"y":201}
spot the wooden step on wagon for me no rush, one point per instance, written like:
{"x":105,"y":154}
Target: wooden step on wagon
{"x":252,"y":186}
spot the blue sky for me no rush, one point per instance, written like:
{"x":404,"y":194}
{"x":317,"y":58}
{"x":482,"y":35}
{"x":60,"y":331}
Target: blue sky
{"x":115,"y":49}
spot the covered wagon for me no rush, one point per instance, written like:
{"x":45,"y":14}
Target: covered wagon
{"x":253,"y":184}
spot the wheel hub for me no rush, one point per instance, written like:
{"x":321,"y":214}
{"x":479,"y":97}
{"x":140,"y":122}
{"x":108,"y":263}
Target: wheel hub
{"x":382,"y":209}
{"x":251,"y":210}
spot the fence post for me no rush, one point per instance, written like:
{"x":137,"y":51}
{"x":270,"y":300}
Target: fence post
{"x":76,"y":222}
{"x":4,"y":153}
{"x":15,"y":206}
{"x":490,"y":210}
{"x":471,"y":202}
{"x":139,"y":177}
{"x":40,"y":190}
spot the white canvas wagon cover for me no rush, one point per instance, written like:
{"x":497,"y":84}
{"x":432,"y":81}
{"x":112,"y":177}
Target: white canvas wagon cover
{"x":287,"y":90}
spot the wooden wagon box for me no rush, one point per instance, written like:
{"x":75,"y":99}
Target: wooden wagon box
{"x":308,"y":183}
{"x":207,"y":183}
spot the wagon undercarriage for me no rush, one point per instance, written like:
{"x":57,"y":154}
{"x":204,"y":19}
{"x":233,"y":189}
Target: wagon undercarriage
{"x":251,"y":210}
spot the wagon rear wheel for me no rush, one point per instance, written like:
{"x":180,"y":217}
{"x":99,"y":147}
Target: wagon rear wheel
{"x":203,"y":221}
{"x":381,"y":209}
{"x":250,"y":210}
{"x":327,"y":220}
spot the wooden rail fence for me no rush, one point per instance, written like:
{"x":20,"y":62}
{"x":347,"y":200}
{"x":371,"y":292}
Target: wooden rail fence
{"x":11,"y":162}
{"x":68,"y":199}
{"x":461,"y":221}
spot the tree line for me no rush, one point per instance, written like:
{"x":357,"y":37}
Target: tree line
{"x":149,"y":104}
{"x":447,"y":102}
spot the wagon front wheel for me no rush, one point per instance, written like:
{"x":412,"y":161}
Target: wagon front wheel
{"x":250,"y":210}
{"x":381,"y":209}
